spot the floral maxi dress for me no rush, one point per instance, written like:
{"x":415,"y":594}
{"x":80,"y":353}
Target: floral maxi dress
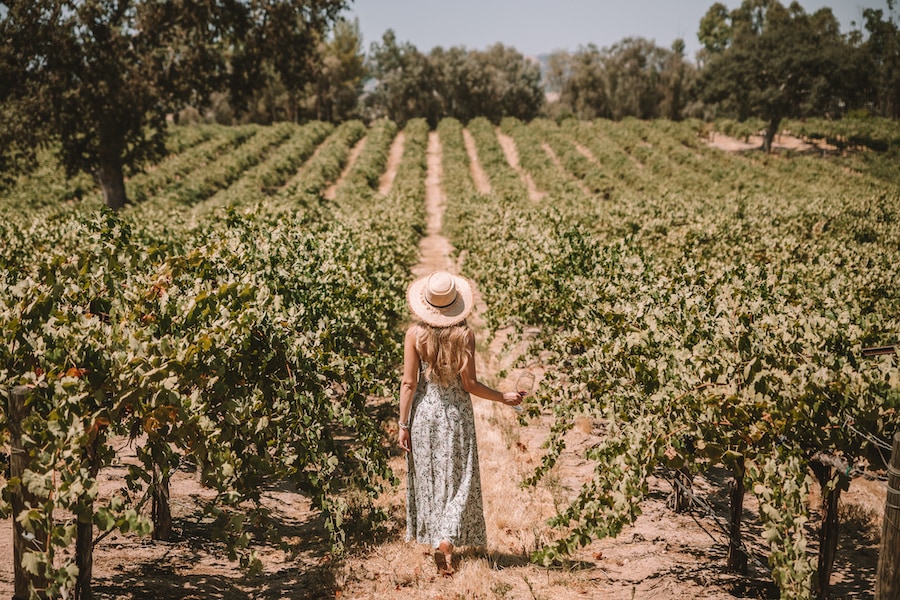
{"x":443,"y":494}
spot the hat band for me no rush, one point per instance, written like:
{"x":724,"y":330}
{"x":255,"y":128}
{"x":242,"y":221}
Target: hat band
{"x":440,"y":305}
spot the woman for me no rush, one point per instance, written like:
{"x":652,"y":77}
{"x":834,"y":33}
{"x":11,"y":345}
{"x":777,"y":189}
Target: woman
{"x":437,"y":426}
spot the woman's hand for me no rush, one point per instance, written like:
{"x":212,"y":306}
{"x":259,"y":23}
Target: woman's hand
{"x":405,"y":440}
{"x":513,"y":398}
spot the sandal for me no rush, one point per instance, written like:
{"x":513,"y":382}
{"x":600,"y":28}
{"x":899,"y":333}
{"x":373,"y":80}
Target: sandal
{"x":444,"y":566}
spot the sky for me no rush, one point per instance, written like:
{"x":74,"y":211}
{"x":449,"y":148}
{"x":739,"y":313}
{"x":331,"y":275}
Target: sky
{"x":539,"y":27}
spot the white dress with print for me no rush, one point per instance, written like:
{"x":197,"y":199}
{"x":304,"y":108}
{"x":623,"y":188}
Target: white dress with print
{"x":443,"y":497}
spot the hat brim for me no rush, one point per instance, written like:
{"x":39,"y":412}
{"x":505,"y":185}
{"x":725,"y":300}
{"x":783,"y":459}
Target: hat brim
{"x":446,"y":316}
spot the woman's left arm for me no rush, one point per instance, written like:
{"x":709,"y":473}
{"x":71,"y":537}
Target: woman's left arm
{"x":471,"y":384}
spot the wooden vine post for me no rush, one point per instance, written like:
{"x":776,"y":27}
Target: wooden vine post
{"x":887,"y":579}
{"x":84,"y":555}
{"x":826,"y":469}
{"x":84,"y":530}
{"x":737,"y":558}
{"x":681,"y":496}
{"x":887,"y":582}
{"x":21,"y":498}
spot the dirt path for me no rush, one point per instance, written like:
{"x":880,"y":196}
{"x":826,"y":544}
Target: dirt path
{"x":664,"y":555}
{"x":512,"y":157}
{"x":479,"y":177}
{"x":514,"y":516}
{"x":585,"y":152}
{"x":782,"y":141}
{"x":555,"y":160}
{"x":331,"y":191}
{"x":191,"y":566}
{"x":434,"y":248}
{"x":393,"y":163}
{"x":648,"y":559}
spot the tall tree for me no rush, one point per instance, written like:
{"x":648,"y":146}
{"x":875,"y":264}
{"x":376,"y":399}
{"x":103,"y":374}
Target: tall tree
{"x":404,"y":83}
{"x":674,"y":82}
{"x":882,"y":49}
{"x":583,"y":88}
{"x":634,"y":77}
{"x":342,"y":70}
{"x":556,"y":72}
{"x":634,"y":70}
{"x":277,"y":43}
{"x":771,"y":62}
{"x":494,"y":83}
{"x":456,"y":81}
{"x":515,"y":83}
{"x":96,"y":78}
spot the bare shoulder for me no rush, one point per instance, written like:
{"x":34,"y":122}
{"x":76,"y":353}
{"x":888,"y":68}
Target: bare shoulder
{"x":409,"y":343}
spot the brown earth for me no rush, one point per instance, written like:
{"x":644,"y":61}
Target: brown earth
{"x":555,"y":160}
{"x":512,"y":157}
{"x":434,"y":248}
{"x":331,"y":192}
{"x":395,"y":155}
{"x":662,"y":556}
{"x":479,"y":177}
{"x":585,"y":152}
{"x":784,"y":141}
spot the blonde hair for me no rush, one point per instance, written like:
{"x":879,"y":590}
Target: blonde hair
{"x":443,"y":350}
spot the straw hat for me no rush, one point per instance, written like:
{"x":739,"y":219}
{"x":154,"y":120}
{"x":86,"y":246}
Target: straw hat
{"x":441,"y":299}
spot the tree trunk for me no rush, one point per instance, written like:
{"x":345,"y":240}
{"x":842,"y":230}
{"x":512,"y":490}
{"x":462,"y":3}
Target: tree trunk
{"x":828,"y":538}
{"x":737,"y":558}
{"x":771,"y":130}
{"x":292,"y":106}
{"x":161,"y":511}
{"x":324,"y":108}
{"x":675,"y":108}
{"x":112,"y":182}
{"x":84,"y":530}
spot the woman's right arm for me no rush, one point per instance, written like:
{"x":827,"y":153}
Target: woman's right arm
{"x":408,"y":386}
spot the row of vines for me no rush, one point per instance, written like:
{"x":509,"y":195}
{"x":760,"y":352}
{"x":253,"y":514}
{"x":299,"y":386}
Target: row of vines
{"x":702,"y":308}
{"x":231,"y":322}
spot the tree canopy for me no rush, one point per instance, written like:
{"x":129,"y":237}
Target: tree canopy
{"x":772,"y":62}
{"x":634,"y":77}
{"x":402,"y":77}
{"x":881,"y":51}
{"x":340,"y":74}
{"x":97,"y":78}
{"x":494,"y":83}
